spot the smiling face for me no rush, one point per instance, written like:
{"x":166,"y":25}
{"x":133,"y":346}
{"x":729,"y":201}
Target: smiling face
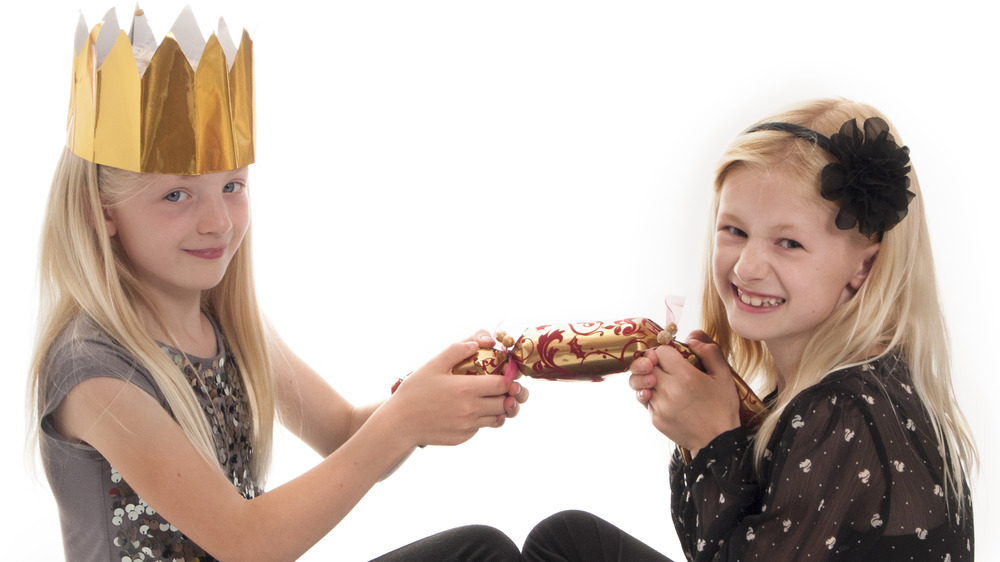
{"x":780,"y":265}
{"x":180,"y":232}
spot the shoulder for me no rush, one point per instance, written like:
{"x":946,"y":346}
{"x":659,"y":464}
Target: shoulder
{"x":874,"y":385}
{"x":861,"y":408}
{"x":83,"y":351}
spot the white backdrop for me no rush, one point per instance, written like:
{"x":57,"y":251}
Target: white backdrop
{"x":428,"y":168}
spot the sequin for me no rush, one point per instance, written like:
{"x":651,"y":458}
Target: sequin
{"x":142,"y":534}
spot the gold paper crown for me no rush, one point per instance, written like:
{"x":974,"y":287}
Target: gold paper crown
{"x":171,"y":118}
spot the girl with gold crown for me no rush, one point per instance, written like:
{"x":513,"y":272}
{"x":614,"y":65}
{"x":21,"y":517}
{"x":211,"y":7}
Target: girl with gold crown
{"x":156,"y":379}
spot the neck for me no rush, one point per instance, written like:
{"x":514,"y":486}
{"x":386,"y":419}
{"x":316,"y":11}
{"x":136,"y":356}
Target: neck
{"x":178,"y":321}
{"x":787,"y":359}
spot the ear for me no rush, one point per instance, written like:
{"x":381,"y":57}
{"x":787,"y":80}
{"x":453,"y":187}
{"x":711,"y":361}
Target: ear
{"x":868,"y":256}
{"x":109,"y":223}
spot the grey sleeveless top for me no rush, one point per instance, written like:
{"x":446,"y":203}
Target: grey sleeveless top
{"x":102,"y":517}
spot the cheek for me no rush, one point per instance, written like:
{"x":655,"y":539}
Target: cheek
{"x":139,"y":248}
{"x":720,"y":271}
{"x":240,"y":217}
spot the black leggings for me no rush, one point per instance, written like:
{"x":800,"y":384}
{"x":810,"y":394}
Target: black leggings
{"x":463,"y":544}
{"x":578,"y":536}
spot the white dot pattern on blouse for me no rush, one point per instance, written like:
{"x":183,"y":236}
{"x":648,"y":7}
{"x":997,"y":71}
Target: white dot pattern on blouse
{"x":853,"y":471}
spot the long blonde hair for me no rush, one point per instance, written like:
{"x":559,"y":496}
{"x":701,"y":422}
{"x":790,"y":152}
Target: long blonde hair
{"x":85,"y":271}
{"x":896,"y":310}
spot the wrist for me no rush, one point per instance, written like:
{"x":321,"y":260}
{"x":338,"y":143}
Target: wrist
{"x":392,"y":427}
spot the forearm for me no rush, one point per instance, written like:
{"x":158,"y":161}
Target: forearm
{"x":360,"y":415}
{"x":308,"y":507}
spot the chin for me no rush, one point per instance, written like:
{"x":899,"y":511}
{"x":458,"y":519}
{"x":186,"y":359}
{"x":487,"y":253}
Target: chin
{"x":747,"y":328}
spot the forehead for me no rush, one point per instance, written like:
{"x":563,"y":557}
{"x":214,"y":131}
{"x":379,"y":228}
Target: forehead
{"x":198,"y":179}
{"x":774,"y":196}
{"x":132,"y":183}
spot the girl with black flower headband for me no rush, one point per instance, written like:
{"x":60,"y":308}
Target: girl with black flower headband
{"x":821,"y":292}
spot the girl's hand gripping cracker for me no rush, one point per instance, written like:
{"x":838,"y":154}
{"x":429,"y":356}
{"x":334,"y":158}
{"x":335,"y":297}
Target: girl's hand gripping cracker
{"x":752,"y":410}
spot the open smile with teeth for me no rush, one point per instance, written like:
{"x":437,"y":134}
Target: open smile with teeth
{"x":759,"y":301}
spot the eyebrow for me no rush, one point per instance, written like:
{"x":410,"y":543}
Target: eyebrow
{"x":783,"y":227}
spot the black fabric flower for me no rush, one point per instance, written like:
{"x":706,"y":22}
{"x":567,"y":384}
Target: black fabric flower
{"x":869,"y":179}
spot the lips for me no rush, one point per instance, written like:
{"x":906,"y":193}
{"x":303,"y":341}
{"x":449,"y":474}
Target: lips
{"x":208,"y":253}
{"x":758,"y":301}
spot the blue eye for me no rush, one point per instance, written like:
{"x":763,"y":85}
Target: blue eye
{"x":232,"y":187}
{"x":175,"y":196}
{"x":734,"y":231}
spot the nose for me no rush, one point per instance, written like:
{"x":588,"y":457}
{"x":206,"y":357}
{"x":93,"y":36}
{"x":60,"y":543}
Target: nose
{"x":752,"y":263}
{"x":214,"y":217}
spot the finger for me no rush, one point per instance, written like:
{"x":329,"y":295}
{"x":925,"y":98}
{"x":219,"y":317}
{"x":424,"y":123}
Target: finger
{"x":711,"y":357}
{"x":644,"y":396}
{"x":491,"y":414}
{"x":511,"y":406}
{"x":699,"y":335}
{"x":483,"y":338}
{"x":492,"y":406}
{"x":486,"y":386}
{"x":642,"y":366}
{"x":641,"y":382}
{"x":519,"y":392}
{"x":667,"y":356}
{"x":452,"y":355}
{"x":493,"y":385}
{"x":651,"y":355}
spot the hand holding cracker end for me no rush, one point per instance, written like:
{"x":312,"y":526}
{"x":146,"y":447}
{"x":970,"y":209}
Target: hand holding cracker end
{"x":689,"y":408}
{"x":517,"y":393}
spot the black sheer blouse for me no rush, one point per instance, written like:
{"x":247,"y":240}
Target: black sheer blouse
{"x":852,"y":472}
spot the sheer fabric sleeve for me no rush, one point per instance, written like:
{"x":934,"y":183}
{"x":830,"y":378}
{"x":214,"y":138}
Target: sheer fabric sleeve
{"x":712,"y":494}
{"x":846,"y":476}
{"x":827,"y":495}
{"x":823,"y":489}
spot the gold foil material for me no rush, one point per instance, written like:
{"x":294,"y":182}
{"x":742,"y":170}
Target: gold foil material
{"x":586,"y":351}
{"x":583,"y":351}
{"x":484,"y":362}
{"x":172,"y":119}
{"x":592,"y":351}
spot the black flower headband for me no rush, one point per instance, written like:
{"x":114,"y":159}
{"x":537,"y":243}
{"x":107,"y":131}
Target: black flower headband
{"x":869,"y":178}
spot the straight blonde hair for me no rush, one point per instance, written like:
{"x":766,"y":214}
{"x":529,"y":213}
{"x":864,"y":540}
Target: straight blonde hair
{"x":897,"y":309}
{"x":83,"y":270}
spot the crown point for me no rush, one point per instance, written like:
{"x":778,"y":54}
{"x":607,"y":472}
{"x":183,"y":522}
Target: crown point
{"x":226,"y":41}
{"x":107,"y":36}
{"x":82,"y":32}
{"x":188,"y":35}
{"x":141,"y":33}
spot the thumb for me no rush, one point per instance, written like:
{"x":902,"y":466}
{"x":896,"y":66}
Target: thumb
{"x":711,"y":356}
{"x":452,"y":355}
